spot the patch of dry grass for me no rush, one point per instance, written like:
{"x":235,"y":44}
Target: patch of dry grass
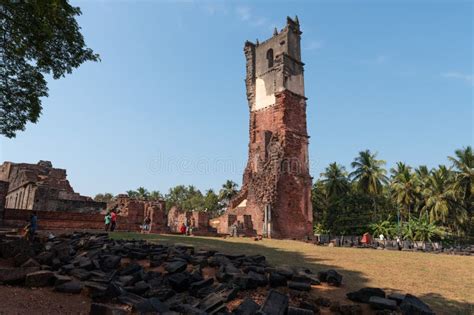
{"x":445,"y":282}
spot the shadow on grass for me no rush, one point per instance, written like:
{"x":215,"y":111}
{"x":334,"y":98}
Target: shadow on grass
{"x":352,"y":279}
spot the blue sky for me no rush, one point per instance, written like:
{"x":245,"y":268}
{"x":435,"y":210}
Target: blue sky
{"x":167,"y":104}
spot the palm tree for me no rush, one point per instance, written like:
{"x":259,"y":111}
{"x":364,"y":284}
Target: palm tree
{"x":464,"y":176}
{"x":369,"y":173}
{"x":155,"y":195}
{"x":405,"y":188}
{"x":142,"y":193}
{"x":132,"y":193}
{"x":438,"y":197}
{"x":228,"y":191}
{"x":335,"y":180}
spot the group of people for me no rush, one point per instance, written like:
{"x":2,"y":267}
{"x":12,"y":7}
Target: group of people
{"x":187,"y":228}
{"x":110,"y":221}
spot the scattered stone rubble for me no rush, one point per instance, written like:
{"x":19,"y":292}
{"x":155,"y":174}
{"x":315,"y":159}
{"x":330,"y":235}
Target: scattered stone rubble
{"x":129,"y":276}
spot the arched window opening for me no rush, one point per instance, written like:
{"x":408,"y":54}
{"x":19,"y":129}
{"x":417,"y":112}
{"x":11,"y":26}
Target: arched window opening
{"x":270,"y":58}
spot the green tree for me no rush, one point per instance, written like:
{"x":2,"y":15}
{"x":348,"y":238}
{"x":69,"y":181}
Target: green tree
{"x":228,"y":191}
{"x":155,"y":195}
{"x":132,"y":193}
{"x":335,"y":180}
{"x":385,"y":227}
{"x":211,"y":203}
{"x":36,"y":38}
{"x":104,"y":197}
{"x":369,"y":174}
{"x":439,"y":198}
{"x":463,"y":186}
{"x":142,"y":193}
{"x":404,"y":188}
{"x":185,"y":197}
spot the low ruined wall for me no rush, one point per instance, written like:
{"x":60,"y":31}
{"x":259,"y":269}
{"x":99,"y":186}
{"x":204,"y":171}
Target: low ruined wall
{"x":52,"y":220}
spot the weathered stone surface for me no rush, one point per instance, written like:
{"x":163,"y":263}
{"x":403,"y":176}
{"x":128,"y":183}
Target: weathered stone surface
{"x":176,"y":266}
{"x":60,"y":279}
{"x":247,"y":307}
{"x":299,"y":311}
{"x":179,"y":282}
{"x":198,"y":285}
{"x":277,"y":280}
{"x":73,"y":287}
{"x":276,"y":303}
{"x":333,"y":278}
{"x":412,"y":305}
{"x":299,"y":286}
{"x":258,"y":278}
{"x":15,"y":275}
{"x":398,"y":297}
{"x":212,"y":304}
{"x":379,"y":303}
{"x":40,"y":278}
{"x":103,"y":309}
{"x":152,"y":305}
{"x":363,"y":295}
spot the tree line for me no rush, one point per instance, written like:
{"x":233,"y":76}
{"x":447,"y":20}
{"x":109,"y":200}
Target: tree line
{"x":411,"y":203}
{"x":185,"y":197}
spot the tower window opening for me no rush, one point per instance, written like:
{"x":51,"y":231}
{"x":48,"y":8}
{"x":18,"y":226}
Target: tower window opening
{"x":270,"y":58}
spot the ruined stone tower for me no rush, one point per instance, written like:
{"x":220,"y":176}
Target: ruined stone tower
{"x":275,"y":199}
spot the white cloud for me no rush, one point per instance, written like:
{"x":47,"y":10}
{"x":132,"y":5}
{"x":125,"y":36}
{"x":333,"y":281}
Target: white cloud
{"x":468,"y":78}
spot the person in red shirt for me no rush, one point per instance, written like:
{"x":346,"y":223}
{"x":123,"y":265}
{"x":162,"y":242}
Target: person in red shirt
{"x":113,"y":220}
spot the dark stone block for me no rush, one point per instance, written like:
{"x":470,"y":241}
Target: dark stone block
{"x":30,"y":263}
{"x":276,"y":303}
{"x":179,"y":282}
{"x":131,"y":299}
{"x":111,"y":262}
{"x":285,"y":271}
{"x":69,"y":287}
{"x":152,"y":305}
{"x":213,"y":303}
{"x":398,"y":297}
{"x":80,"y":274}
{"x":163,"y":293}
{"x":379,"y":303}
{"x":258,"y":278}
{"x":277,"y":280}
{"x":196,"y":286}
{"x":41,"y":278}
{"x":176,"y":266}
{"x":364,"y":294}
{"x":131,"y":269}
{"x":247,"y":307}
{"x":333,"y":278}
{"x":412,"y":305}
{"x":299,"y":286}
{"x":299,"y":311}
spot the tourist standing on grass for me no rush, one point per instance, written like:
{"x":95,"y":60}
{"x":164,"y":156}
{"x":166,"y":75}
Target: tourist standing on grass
{"x":113,"y":219}
{"x":107,"y":219}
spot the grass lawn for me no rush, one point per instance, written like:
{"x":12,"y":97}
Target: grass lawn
{"x":445,"y":282}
